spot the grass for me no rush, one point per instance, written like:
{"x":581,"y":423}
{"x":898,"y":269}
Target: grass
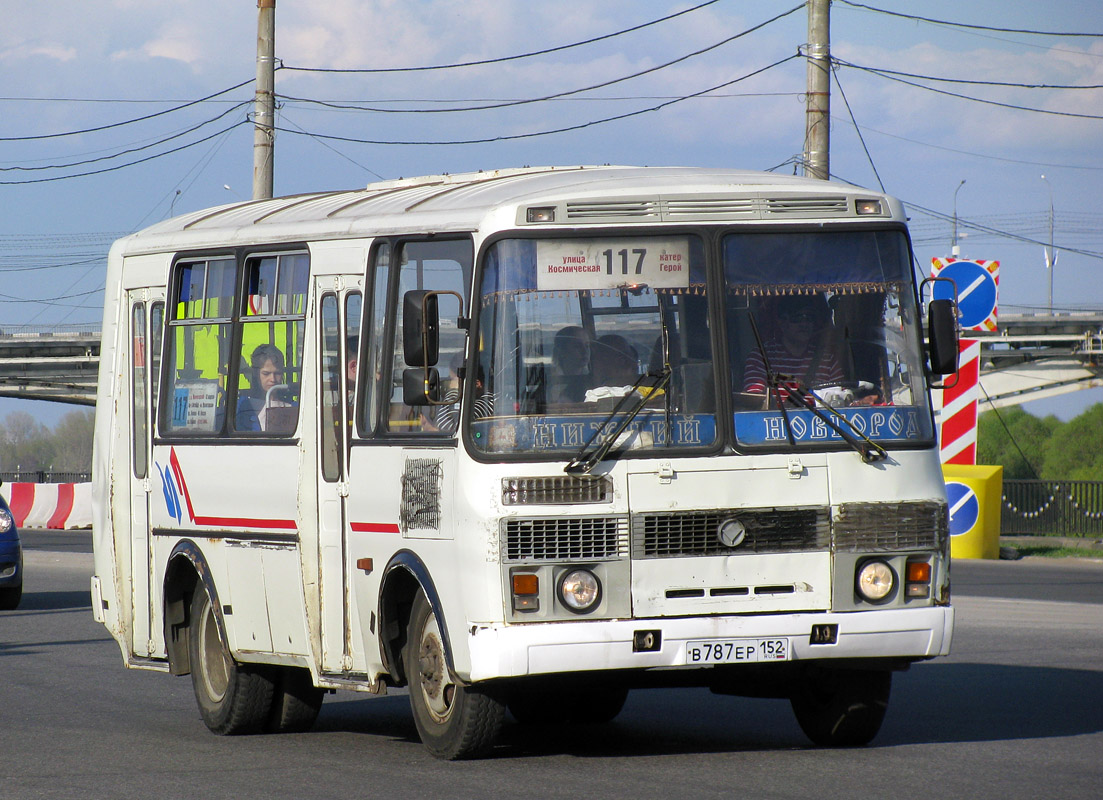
{"x":1057,"y":551}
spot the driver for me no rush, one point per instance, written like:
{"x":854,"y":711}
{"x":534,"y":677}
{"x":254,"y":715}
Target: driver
{"x":798,"y":348}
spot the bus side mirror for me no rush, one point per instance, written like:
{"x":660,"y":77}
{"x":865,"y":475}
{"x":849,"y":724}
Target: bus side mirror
{"x":420,"y":329}
{"x":420,"y":386}
{"x":942,"y":336}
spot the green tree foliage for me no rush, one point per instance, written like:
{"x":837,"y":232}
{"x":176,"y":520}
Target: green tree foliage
{"x":1075,"y":450}
{"x":1015,"y":440}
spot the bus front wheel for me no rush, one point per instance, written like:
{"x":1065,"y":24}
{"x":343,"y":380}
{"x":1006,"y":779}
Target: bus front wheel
{"x":233,"y":698}
{"x":841,"y":707}
{"x":453,"y":721}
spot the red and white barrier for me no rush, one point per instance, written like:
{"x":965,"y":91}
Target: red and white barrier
{"x":50,"y":505}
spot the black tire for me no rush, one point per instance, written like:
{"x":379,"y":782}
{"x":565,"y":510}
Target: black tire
{"x":295,"y":703}
{"x":233,"y":698}
{"x":454,"y":721}
{"x":840,"y":707}
{"x":549,"y":705}
{"x":10,"y":597}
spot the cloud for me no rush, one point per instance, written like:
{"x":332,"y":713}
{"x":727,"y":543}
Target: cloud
{"x":56,"y":52}
{"x":179,"y":41}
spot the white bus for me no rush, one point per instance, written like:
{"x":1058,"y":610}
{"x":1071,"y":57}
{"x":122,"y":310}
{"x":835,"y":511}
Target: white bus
{"x":525,"y":440}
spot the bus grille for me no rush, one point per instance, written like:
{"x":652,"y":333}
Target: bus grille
{"x":565,"y":539}
{"x":891,"y":526}
{"x":556,"y":490}
{"x":768,"y":530}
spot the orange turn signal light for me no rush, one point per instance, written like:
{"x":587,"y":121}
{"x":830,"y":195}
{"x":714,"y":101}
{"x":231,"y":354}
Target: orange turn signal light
{"x":919,"y":572}
{"x":526,"y":583}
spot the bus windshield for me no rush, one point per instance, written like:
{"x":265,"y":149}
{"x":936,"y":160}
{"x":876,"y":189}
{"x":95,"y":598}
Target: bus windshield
{"x":819,"y":327}
{"x":569,"y":327}
{"x":823,"y":320}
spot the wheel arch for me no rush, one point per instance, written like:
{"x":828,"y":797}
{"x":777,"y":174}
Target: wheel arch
{"x":186,"y":572}
{"x":403,"y":576}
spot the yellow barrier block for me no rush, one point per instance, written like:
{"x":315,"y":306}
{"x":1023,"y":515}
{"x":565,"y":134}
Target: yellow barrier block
{"x":974,"y":495}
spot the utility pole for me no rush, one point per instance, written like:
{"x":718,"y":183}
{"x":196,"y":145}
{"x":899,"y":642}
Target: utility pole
{"x":264,"y":114}
{"x":817,"y":120}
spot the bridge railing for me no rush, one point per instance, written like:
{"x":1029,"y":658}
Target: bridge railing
{"x":1055,"y":508}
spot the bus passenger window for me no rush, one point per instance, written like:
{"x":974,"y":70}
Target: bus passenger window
{"x":198,"y":347}
{"x":269,"y":364}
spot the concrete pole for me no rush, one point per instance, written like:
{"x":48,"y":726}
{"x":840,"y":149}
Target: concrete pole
{"x":264,"y":116}
{"x":817,"y":142}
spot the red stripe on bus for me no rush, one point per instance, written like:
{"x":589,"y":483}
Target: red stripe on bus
{"x":64,"y":506}
{"x":373,"y":527}
{"x":241,"y":522}
{"x":174,"y":462}
{"x":22,"y":498}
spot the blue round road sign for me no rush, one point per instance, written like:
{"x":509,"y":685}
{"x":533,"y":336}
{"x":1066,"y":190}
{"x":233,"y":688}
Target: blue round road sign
{"x":976,"y":291}
{"x":964,"y":507}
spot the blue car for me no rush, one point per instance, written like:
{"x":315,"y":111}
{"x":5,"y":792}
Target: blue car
{"x":11,"y":560}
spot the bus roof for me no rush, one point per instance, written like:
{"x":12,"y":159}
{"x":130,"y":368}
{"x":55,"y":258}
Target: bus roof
{"x":582,"y":195}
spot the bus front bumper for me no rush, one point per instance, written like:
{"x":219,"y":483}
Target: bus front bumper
{"x":502,"y":651}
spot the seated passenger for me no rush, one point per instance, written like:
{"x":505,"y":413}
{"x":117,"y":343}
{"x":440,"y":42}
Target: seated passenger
{"x":569,"y":376}
{"x":263,"y":408}
{"x":616,"y":367}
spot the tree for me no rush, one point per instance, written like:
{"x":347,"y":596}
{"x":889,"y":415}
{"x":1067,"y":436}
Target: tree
{"x":26,"y":443}
{"x":72,"y":442}
{"x":1015,"y":440}
{"x":1075,"y":451}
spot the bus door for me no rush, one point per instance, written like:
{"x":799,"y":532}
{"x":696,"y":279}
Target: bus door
{"x":147,"y":308}
{"x":339,"y":320}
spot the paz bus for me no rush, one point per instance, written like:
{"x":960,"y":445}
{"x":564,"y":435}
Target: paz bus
{"x":524,"y":441}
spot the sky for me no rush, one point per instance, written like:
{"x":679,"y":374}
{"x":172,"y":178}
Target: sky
{"x":72,"y":72}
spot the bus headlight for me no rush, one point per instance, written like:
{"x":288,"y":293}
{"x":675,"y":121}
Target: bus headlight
{"x":580,"y":590}
{"x":876,"y":580}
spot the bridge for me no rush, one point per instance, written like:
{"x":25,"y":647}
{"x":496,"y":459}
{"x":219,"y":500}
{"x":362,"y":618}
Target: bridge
{"x":1030,"y":357}
{"x":58,"y":363}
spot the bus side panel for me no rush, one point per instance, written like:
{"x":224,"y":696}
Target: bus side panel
{"x":238,"y":503}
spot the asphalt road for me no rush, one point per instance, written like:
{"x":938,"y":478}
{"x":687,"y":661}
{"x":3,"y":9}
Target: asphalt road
{"x":1015,"y":712}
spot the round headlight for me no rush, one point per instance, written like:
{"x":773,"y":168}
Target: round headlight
{"x":6,"y":521}
{"x":580,"y":590}
{"x":876,"y":581}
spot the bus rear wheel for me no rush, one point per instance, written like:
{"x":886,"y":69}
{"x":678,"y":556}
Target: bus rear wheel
{"x":295,"y":703}
{"x":233,"y":698}
{"x":842,"y":707}
{"x":454,"y":721}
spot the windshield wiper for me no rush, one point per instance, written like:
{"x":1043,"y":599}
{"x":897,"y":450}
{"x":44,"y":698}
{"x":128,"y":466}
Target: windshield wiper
{"x":804,"y":397}
{"x":772,"y":379}
{"x":584,"y":461}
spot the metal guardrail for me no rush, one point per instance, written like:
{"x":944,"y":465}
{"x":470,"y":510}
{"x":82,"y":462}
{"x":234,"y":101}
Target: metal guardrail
{"x":1055,"y":508}
{"x":44,"y":476}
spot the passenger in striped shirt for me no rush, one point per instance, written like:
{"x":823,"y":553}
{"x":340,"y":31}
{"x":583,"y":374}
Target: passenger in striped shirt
{"x":799,"y":349}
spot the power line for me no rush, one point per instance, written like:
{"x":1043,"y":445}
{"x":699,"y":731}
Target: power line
{"x":886,"y":72}
{"x":967,"y":25}
{"x":124,"y":122}
{"x":968,"y":97}
{"x":556,"y":96}
{"x":129,"y":150}
{"x":975,"y":154}
{"x":534,"y":134}
{"x":516,"y":57}
{"x":129,"y":163}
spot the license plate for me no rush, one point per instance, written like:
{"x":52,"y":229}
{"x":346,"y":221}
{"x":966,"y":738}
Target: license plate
{"x":736,"y":651}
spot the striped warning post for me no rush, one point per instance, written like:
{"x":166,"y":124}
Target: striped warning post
{"x":956,"y":408}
